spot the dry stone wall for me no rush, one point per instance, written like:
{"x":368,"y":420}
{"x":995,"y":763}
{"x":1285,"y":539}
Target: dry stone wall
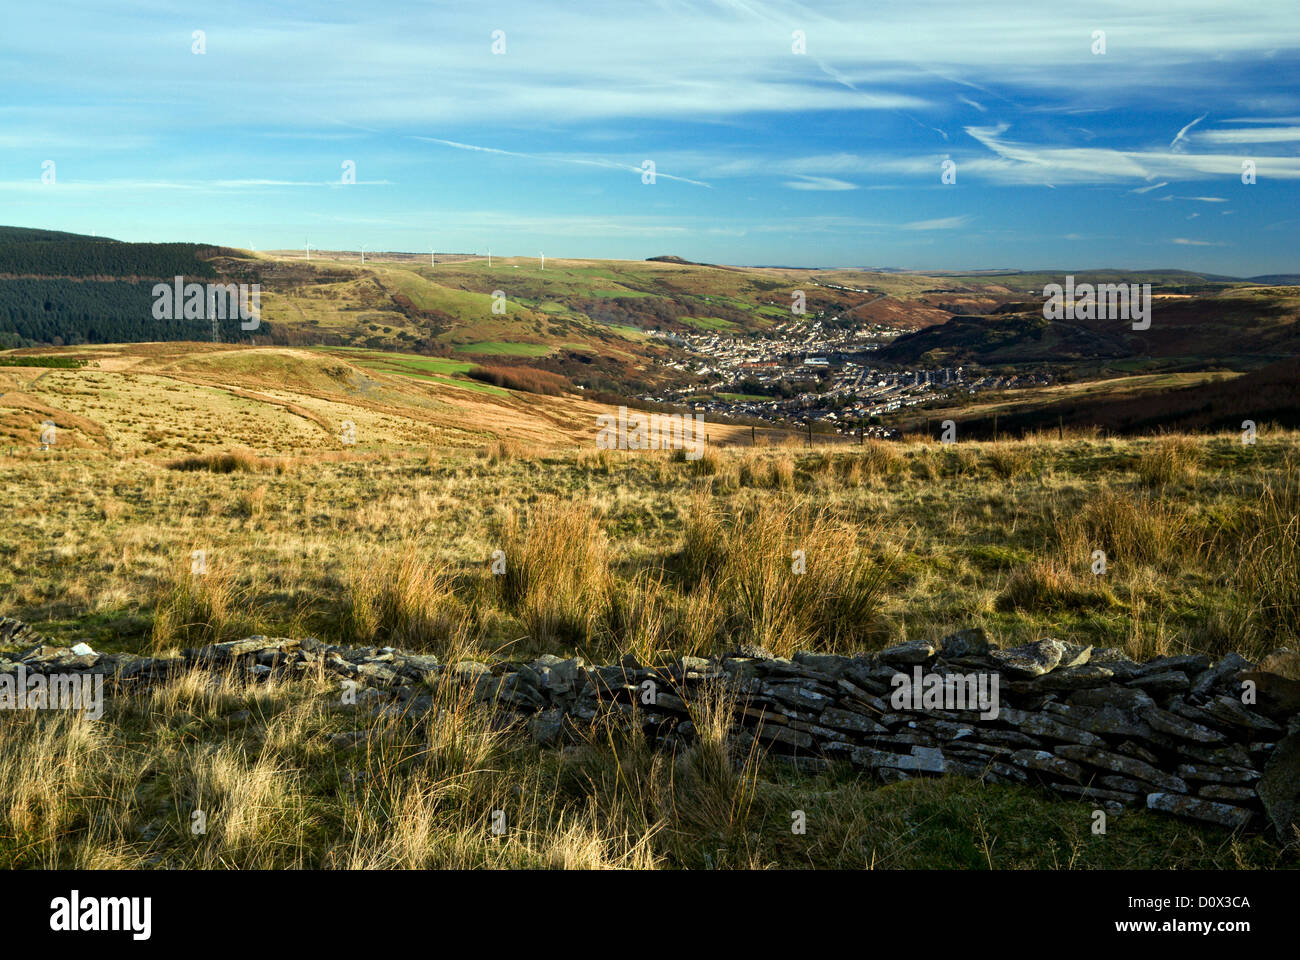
{"x":1215,"y":742}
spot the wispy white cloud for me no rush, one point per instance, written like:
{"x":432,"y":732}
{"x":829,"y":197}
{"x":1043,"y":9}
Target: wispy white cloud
{"x":943,"y":223}
{"x":1020,"y":162}
{"x":1253,"y":135}
{"x":1182,"y":134}
{"x":555,"y":158}
{"x":820,"y":183}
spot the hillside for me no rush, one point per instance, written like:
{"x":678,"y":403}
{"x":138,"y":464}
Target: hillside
{"x":1236,"y":328}
{"x":195,"y":398}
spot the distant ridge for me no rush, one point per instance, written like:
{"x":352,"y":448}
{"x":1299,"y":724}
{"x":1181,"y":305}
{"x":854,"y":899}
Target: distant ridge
{"x":668,"y":258}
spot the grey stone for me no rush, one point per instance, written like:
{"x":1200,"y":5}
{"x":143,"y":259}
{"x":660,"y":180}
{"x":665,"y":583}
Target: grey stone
{"x":1229,"y":710}
{"x":1159,"y":684}
{"x":1074,"y":655}
{"x":545,"y":727}
{"x":1223,"y":814}
{"x":913,"y":651}
{"x":1118,"y":763}
{"x":1041,"y":725}
{"x":965,"y":643}
{"x":1219,"y":674}
{"x":1185,"y":663}
{"x":846,"y":720}
{"x":1279,"y":787}
{"x":1215,"y":774}
{"x":1176,"y":726}
{"x":1030,"y":659}
{"x":1121,"y":797}
{"x":1066,"y":678}
{"x":1045,"y":762}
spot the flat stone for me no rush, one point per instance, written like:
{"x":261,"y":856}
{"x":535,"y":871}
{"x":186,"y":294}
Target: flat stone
{"x":1066,"y":678}
{"x":379,"y":672}
{"x":913,"y":651}
{"x":921,"y":760}
{"x":783,"y":734}
{"x":1211,"y":773}
{"x":824,"y":663}
{"x":1122,"y":698}
{"x":1227,"y":792}
{"x":1041,"y":725}
{"x":1074,"y":655}
{"x":1122,"y":797}
{"x":1183,"y":663}
{"x":857,"y":693}
{"x":1049,"y":763}
{"x":1118,"y":763}
{"x":469,"y":670}
{"x":1116,"y":660}
{"x":1030,"y":659}
{"x":1162,"y":683}
{"x":1224,"y":709}
{"x":1210,"y":811}
{"x":847,"y":720}
{"x":1176,"y":726}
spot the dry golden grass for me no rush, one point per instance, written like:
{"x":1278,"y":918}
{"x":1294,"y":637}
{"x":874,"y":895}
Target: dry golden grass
{"x":557,"y":575}
{"x":1168,"y":460}
{"x":403,"y":600}
{"x":610,"y":552}
{"x":245,"y":461}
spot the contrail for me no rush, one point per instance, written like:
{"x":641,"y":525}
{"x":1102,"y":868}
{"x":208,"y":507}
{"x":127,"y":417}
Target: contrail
{"x":608,"y":164}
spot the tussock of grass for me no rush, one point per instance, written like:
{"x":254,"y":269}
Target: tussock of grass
{"x":198,"y":608}
{"x":1009,"y":459}
{"x":1169,"y":460}
{"x":233,"y":461}
{"x":784,"y":577}
{"x":556,"y":571}
{"x":403,"y":600}
{"x":1043,"y":585}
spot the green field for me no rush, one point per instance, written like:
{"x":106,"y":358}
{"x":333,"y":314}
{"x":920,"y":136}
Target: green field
{"x":498,"y":348}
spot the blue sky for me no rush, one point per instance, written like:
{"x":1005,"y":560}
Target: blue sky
{"x":1064,"y":158}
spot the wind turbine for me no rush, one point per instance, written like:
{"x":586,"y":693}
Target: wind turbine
{"x":363,"y":254}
